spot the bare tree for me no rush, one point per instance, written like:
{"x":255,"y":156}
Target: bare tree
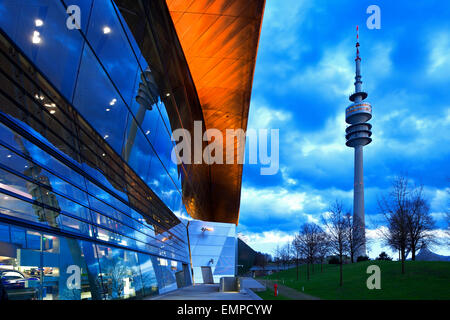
{"x":408,"y":219}
{"x":395,"y":207}
{"x":296,"y":253}
{"x":419,"y":222}
{"x":277,"y":256}
{"x":287,"y":254}
{"x":336,"y":227}
{"x":261,"y":260}
{"x":324,"y":248}
{"x":355,"y":238}
{"x":308,"y":243}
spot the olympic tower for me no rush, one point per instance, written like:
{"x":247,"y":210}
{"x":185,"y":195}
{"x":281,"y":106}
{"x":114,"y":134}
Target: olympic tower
{"x":358,"y":134}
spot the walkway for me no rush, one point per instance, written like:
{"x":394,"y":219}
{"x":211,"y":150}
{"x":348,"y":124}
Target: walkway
{"x":287,"y":292}
{"x":252,"y":284}
{"x":205,"y":292}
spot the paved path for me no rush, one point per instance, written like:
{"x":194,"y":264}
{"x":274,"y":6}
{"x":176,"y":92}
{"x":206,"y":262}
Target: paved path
{"x":252,"y":284}
{"x":204,"y":292}
{"x":287,"y":292}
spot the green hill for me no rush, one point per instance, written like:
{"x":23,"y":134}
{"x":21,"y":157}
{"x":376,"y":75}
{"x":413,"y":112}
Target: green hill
{"x":422,"y":280}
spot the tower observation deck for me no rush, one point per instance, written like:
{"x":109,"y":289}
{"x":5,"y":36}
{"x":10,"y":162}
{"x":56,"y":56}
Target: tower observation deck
{"x":358,"y":134}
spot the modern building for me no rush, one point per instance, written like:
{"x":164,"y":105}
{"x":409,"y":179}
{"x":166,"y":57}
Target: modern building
{"x":213,"y":250}
{"x":91,"y":204}
{"x":358,"y":135}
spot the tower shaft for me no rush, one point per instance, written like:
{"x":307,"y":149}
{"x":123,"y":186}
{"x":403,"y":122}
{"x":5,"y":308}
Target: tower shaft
{"x":358,"y":203}
{"x":358,"y":135}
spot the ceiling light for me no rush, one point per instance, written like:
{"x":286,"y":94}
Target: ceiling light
{"x":9,"y":156}
{"x":36,"y":39}
{"x":147,"y":133}
{"x":106,"y":137}
{"x":108,"y":109}
{"x":167,"y":94}
{"x":38,"y":22}
{"x":106,"y":30}
{"x":52,"y":111}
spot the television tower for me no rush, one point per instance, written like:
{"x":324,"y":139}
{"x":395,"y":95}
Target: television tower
{"x":358,"y":135}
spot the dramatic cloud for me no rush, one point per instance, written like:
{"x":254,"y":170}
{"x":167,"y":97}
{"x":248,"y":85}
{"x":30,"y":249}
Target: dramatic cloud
{"x":304,"y":74}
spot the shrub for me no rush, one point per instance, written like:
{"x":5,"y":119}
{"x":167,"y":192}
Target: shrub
{"x":333,"y":260}
{"x":383,"y":256}
{"x":362,"y":258}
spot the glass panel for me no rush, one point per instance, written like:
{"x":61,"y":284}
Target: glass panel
{"x":91,"y":280}
{"x":112,"y":48}
{"x":98,"y":102}
{"x":138,"y":151}
{"x":120,"y":273}
{"x":39,"y":29}
{"x":149,"y":282}
{"x":19,"y":264}
{"x":66,"y":274}
{"x":166,"y":272}
{"x":4,"y":234}
{"x":18,"y":237}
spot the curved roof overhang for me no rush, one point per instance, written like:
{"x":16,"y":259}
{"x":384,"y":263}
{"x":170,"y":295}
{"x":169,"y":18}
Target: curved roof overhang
{"x":220,"y":39}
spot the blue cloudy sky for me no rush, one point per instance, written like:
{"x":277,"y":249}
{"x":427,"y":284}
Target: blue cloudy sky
{"x":304,"y":74}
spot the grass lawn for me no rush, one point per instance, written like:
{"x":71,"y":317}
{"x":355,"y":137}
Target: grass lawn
{"x":422,"y":280}
{"x":268,"y":295}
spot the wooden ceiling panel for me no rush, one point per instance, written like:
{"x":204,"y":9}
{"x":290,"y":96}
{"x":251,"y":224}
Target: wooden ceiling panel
{"x":220,"y":41}
{"x":219,"y":6}
{"x":200,"y":23}
{"x":208,"y":39}
{"x":179,"y":5}
{"x":200,"y":5}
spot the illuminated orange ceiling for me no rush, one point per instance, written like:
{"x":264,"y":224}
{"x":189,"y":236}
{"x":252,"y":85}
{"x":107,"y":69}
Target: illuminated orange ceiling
{"x":220,"y":41}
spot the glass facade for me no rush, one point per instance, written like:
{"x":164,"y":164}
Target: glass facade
{"x":213,"y":249}
{"x":87,"y":187}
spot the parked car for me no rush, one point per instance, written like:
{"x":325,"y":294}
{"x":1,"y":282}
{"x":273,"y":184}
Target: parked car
{"x":18,"y":286}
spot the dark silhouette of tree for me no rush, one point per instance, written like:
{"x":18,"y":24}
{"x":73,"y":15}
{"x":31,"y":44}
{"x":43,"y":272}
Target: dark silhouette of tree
{"x":384,"y":256}
{"x":419,"y":222}
{"x":355,"y":238}
{"x":324,"y":248}
{"x":285,"y":255}
{"x":307,"y":242}
{"x":261,"y":260}
{"x":409,"y":223}
{"x":395,"y":207}
{"x":296,"y":253}
{"x":277,"y":256}
{"x":336,"y":227}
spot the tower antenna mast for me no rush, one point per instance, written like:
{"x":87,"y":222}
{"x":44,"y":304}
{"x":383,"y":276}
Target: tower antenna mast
{"x":358,"y":135}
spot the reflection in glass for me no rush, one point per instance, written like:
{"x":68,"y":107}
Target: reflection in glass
{"x":120,"y":273}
